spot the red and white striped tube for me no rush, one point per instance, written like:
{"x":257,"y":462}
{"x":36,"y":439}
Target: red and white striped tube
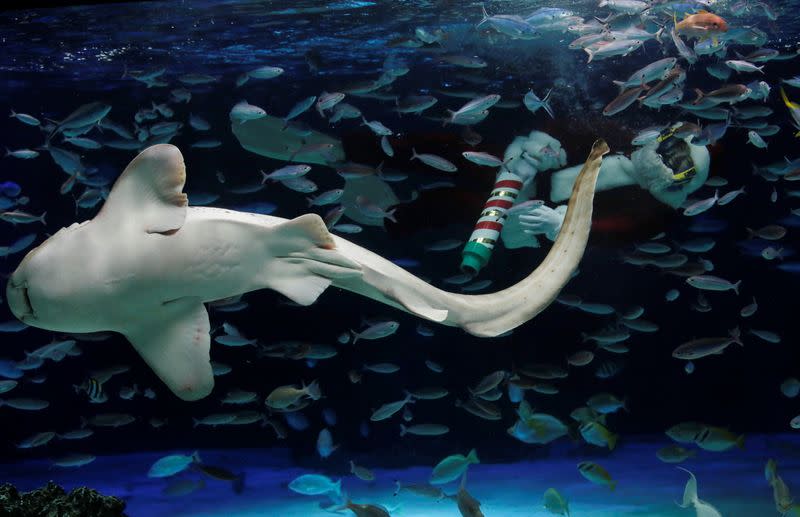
{"x":487,"y":230}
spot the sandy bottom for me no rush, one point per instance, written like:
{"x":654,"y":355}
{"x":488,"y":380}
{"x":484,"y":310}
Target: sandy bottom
{"x":732,"y":481}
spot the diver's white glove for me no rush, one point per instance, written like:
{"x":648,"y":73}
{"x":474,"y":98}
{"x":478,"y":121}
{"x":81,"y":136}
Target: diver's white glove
{"x":526,"y":156}
{"x":543,"y":220}
{"x":513,"y":232}
{"x":537,"y":152}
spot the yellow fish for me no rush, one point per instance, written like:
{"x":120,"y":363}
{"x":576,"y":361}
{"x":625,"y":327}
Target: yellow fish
{"x":596,"y":474}
{"x":794,"y":111}
{"x":597,"y":434}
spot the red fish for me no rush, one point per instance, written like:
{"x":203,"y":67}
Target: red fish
{"x":701,"y":25}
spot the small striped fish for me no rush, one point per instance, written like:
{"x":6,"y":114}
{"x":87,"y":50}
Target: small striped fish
{"x":93,"y":389}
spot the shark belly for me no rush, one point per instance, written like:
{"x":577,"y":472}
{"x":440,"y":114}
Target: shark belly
{"x":216,"y":254}
{"x":220,"y":253}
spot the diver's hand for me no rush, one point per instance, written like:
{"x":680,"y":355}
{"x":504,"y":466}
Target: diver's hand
{"x":513,"y":233}
{"x":543,"y":220}
{"x":537,"y":152}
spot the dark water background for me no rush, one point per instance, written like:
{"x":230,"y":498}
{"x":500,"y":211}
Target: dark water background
{"x":55,"y":60}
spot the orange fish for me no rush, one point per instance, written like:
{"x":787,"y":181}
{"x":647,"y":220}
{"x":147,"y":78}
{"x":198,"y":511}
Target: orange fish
{"x":701,"y":25}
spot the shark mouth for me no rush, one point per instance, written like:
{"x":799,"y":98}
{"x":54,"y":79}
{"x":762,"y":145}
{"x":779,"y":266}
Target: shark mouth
{"x":19,"y":301}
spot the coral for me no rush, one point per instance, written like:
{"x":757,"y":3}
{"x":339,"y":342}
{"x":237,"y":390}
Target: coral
{"x":52,"y":501}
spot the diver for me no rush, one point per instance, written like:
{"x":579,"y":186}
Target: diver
{"x":669,"y":168}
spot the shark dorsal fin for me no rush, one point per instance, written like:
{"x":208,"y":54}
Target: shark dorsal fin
{"x":149,"y":192}
{"x":300,"y":233}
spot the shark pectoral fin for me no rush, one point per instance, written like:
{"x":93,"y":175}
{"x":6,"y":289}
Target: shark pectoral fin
{"x":292,"y":278}
{"x":174,"y":341}
{"x":305,"y":260}
{"x":149,"y":192}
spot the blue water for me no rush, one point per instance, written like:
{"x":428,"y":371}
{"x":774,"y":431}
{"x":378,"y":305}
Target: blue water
{"x":732,"y":481}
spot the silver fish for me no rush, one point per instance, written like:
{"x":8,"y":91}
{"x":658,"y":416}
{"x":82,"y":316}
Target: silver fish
{"x":701,"y":206}
{"x":437,"y":162}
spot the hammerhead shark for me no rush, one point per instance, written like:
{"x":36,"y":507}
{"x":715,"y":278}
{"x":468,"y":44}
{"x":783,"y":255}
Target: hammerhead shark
{"x":147,"y":263}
